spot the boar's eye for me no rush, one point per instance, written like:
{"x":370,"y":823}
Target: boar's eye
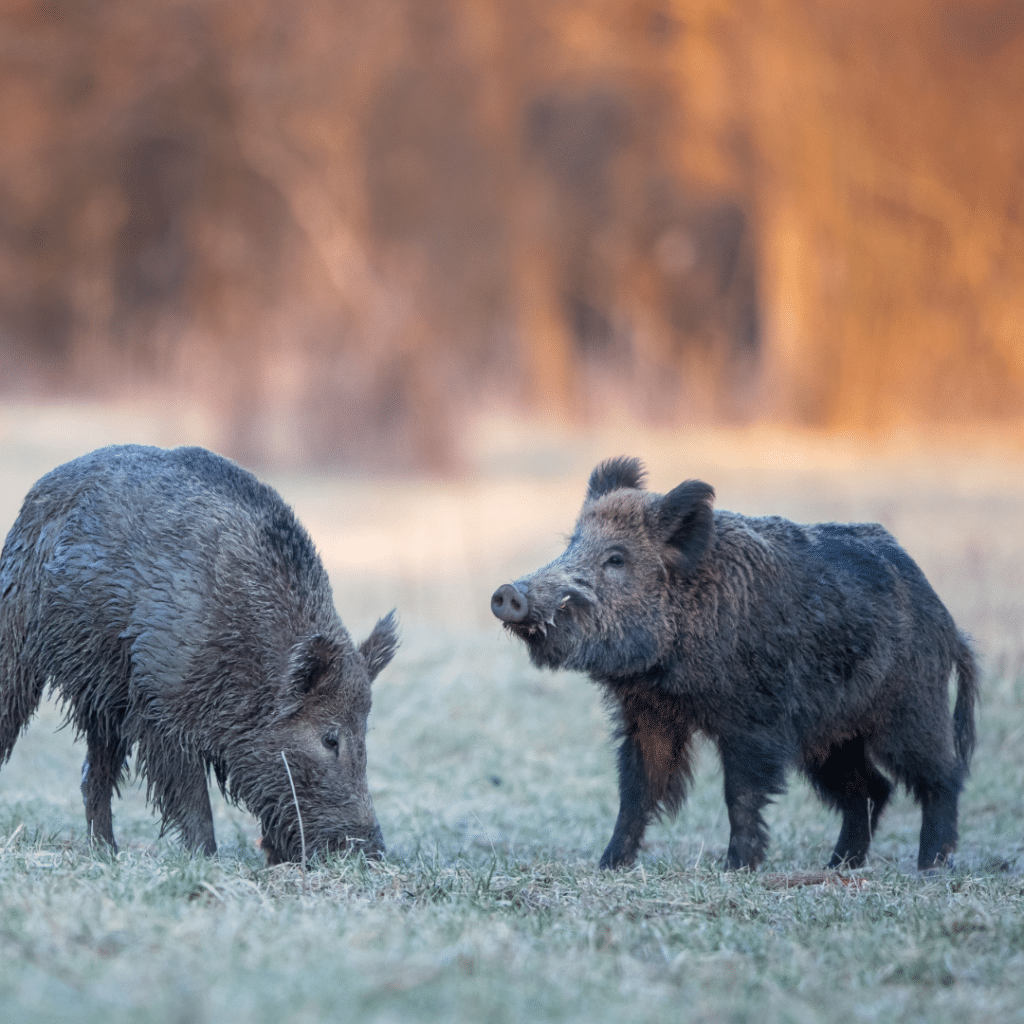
{"x":330,"y":741}
{"x":615,"y":558}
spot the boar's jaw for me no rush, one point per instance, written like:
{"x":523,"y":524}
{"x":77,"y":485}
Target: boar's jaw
{"x":335,"y":816}
{"x":283,"y":844}
{"x":567,"y":625}
{"x":290,"y":851}
{"x":548,"y":621}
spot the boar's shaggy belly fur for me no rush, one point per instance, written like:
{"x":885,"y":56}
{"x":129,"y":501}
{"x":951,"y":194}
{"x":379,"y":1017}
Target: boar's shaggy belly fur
{"x":819,"y":646}
{"x":179,"y":610}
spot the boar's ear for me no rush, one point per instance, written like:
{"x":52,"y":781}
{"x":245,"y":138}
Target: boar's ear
{"x":380,"y":646}
{"x":614,"y":474}
{"x":309,"y":661}
{"x":685,"y":524}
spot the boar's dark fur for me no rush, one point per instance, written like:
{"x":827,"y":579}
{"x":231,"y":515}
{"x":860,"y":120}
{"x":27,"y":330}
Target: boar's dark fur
{"x":177,"y":608}
{"x":822,"y":646}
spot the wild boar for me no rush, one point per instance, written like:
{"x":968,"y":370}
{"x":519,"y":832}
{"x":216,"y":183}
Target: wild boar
{"x":818,"y":646}
{"x":179,"y":610}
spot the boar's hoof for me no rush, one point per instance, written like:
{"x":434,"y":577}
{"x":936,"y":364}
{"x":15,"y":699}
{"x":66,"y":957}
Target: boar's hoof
{"x":509,"y":604}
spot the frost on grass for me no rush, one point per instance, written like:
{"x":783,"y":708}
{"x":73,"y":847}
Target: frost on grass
{"x":495,"y":790}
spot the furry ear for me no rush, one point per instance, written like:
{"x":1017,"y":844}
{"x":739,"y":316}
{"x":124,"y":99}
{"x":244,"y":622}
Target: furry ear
{"x":614,"y":474}
{"x":380,"y":646}
{"x":309,"y":661}
{"x":685,"y":524}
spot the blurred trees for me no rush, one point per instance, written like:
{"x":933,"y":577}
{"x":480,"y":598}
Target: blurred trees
{"x":341,"y":222}
{"x":893,"y":224}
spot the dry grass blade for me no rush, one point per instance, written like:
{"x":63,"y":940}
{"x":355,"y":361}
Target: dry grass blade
{"x":302,"y":831}
{"x":796,"y":879}
{"x":12,"y":837}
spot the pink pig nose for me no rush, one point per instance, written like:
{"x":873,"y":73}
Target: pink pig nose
{"x":510,"y":604}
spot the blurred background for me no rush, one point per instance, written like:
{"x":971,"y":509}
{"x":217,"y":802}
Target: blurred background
{"x":423,"y":263}
{"x":338,"y":231}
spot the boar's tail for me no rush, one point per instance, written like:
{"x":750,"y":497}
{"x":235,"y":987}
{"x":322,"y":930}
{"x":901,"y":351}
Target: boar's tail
{"x":966,"y":695}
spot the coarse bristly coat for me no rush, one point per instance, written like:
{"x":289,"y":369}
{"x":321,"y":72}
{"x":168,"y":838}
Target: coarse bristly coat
{"x":821,"y":646}
{"x":179,"y":611}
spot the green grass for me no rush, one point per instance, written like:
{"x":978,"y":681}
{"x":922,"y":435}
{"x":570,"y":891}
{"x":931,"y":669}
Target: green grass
{"x":495,"y":788}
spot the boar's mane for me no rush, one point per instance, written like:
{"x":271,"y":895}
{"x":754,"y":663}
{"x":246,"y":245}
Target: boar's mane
{"x":615,"y":474}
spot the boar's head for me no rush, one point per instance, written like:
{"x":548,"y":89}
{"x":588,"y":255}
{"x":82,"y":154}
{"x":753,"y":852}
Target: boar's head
{"x":320,"y":724}
{"x":603,"y":606}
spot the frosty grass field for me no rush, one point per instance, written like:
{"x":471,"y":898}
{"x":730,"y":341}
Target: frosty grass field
{"x":495,"y":787}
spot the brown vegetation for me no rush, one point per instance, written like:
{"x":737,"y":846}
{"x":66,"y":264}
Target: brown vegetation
{"x":342,"y":222}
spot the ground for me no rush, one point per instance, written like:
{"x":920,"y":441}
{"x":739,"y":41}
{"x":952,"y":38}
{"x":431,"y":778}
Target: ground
{"x":495,"y":785}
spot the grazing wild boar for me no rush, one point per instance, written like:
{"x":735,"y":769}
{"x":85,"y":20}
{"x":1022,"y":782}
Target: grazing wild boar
{"x":178,"y":609}
{"x":821,"y":646}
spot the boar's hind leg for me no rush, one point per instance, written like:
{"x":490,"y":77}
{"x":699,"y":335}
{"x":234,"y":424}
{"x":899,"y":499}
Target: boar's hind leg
{"x":849,"y":782}
{"x":635,"y":808}
{"x":938,"y":824}
{"x":102,"y":773}
{"x":753,"y":773}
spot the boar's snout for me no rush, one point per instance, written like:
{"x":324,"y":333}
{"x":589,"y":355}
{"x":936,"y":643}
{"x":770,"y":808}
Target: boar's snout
{"x":510,"y":604}
{"x":285,"y":845}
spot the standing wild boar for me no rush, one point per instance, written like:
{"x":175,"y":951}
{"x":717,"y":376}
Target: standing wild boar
{"x":822,"y":646}
{"x":179,"y":609}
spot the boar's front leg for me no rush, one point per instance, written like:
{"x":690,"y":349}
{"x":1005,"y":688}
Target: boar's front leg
{"x":754,"y":771}
{"x":654,"y":768}
{"x":102,"y":772}
{"x":635,"y":808}
{"x":178,"y":787}
{"x":194,"y":816}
